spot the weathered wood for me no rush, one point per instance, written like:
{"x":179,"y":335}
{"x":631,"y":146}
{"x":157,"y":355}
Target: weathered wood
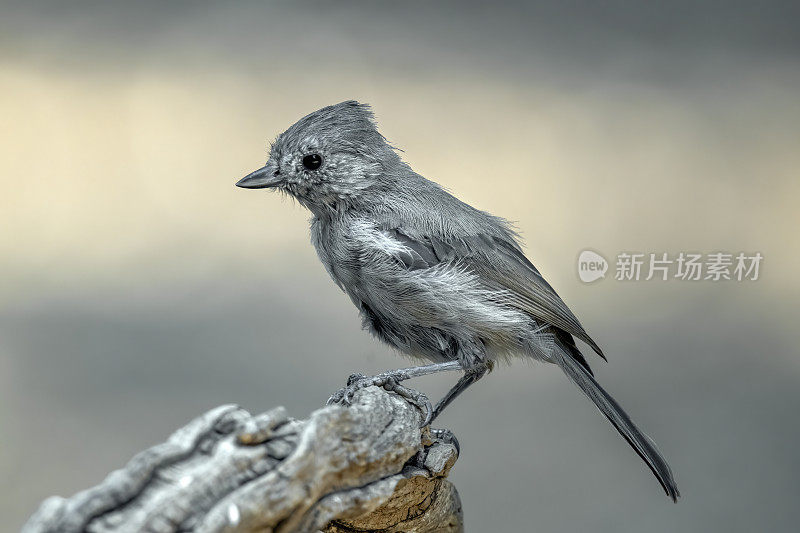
{"x":367,"y":467}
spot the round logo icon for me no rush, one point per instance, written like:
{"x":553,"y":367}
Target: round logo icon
{"x":591,"y":266}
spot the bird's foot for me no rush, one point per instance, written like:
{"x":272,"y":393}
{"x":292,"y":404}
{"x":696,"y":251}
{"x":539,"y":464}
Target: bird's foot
{"x":389,"y":381}
{"x":446,"y":436}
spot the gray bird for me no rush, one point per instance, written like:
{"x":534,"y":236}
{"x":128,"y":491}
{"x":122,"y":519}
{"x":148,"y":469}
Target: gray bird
{"x":431,"y":276}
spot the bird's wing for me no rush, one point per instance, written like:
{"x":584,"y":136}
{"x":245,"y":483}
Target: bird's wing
{"x":501,"y":265}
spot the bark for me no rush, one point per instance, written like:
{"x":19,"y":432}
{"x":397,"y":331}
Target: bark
{"x":366,"y":467}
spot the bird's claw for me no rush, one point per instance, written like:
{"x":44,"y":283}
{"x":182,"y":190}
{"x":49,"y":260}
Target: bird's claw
{"x":446,"y":436}
{"x":344,"y":395}
{"x":415,"y":397}
{"x":353,"y":378}
{"x":389,"y":382}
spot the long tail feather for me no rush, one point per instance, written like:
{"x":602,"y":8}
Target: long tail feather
{"x":640,"y":442}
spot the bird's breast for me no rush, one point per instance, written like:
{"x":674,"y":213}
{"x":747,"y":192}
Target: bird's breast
{"x":335,"y":252}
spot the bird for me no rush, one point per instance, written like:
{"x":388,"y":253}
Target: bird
{"x":431,"y":276}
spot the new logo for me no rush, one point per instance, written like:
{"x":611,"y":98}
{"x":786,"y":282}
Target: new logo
{"x":591,"y":266}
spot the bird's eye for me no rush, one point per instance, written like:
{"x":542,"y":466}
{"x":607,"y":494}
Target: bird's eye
{"x":312,"y":161}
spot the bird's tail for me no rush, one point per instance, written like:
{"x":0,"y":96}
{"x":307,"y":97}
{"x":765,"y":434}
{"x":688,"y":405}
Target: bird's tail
{"x":640,"y":442}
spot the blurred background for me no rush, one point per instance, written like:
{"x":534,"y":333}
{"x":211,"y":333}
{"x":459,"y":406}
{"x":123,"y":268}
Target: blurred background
{"x":139,"y":287}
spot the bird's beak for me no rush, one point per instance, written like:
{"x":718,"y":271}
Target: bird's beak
{"x":260,"y":179}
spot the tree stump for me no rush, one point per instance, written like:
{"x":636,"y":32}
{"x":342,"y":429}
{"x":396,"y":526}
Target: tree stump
{"x":366,"y":467}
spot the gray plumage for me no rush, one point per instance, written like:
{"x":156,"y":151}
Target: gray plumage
{"x":431,"y":276}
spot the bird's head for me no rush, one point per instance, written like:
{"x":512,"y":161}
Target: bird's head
{"x":327,"y":159}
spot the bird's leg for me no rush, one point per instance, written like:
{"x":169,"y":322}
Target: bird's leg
{"x":390,"y":381}
{"x":471,"y":375}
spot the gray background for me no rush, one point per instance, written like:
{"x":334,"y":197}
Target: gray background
{"x":139,"y":288}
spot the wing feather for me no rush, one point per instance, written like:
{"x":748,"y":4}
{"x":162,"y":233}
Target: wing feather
{"x":501,"y":265}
